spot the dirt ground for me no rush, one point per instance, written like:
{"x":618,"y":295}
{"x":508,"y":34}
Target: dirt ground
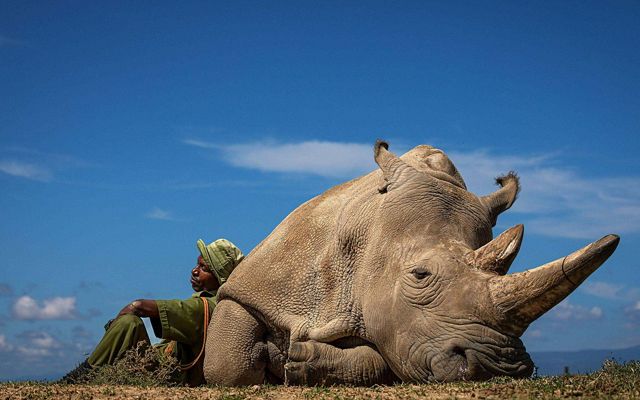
{"x":614,"y":380}
{"x":592,"y":386}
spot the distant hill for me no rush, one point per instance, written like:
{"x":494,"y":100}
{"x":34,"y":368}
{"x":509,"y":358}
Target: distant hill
{"x":583,"y":361}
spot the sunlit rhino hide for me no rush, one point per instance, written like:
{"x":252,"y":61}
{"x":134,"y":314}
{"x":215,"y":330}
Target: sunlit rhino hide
{"x":391,"y":277}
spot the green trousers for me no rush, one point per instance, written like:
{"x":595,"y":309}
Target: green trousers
{"x":123,"y":333}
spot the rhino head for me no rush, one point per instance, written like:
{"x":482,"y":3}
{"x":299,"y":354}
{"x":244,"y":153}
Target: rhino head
{"x":443,"y":306}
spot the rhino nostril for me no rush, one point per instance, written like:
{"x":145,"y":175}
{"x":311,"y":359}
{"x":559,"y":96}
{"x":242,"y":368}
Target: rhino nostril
{"x":457,"y":350}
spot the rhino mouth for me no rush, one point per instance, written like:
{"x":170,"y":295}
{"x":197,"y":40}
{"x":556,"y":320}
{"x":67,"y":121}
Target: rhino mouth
{"x":473,"y":361}
{"x":481,"y":354}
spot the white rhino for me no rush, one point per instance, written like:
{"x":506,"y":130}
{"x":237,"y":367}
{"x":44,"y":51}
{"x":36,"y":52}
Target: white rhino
{"x":390,"y":277}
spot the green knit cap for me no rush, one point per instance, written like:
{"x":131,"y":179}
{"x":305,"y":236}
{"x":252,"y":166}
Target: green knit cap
{"x":221,"y":256}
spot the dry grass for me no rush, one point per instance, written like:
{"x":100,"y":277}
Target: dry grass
{"x":612,"y":381}
{"x":142,"y":366}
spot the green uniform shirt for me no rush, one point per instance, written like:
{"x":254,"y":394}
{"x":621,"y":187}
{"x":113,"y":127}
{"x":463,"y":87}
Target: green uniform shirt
{"x":181,"y":326}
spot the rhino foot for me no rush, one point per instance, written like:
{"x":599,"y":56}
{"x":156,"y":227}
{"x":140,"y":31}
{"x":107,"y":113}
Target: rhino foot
{"x":314,"y":363}
{"x":299,"y":374}
{"x":301,"y":368}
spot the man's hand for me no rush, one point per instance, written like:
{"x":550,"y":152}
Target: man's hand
{"x":142,"y":308}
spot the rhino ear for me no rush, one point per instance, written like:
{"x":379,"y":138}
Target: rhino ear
{"x":497,"y":255}
{"x":503,"y":198}
{"x":391,"y":166}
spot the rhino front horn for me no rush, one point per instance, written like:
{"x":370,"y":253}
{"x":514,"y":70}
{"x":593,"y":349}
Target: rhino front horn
{"x":523,"y":297}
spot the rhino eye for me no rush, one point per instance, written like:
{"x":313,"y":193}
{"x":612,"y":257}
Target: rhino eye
{"x":420,"y":272}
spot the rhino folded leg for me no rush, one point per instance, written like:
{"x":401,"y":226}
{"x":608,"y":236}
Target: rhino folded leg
{"x":314,"y":363}
{"x":235,"y":353}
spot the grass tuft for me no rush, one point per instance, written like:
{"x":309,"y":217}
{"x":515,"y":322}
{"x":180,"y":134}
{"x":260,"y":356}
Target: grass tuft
{"x":613,"y":380}
{"x":141,"y":366}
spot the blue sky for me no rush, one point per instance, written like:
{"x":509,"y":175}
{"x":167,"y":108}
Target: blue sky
{"x":130,"y":130}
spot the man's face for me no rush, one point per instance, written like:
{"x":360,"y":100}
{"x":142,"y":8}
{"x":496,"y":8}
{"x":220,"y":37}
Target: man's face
{"x":202,"y":278}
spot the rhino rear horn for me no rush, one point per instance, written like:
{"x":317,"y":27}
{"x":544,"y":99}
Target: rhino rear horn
{"x":392,"y":167}
{"x":503,"y":198}
{"x":497,"y":255}
{"x":523,"y":297}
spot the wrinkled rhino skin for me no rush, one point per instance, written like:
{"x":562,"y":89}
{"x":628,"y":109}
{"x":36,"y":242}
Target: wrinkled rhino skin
{"x":390,"y":277}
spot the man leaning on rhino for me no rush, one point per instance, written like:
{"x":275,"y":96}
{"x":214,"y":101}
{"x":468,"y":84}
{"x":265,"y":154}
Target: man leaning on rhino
{"x":391,"y":277}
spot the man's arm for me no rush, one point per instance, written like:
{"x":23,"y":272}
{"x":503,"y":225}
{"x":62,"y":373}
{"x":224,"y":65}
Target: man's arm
{"x":142,"y":308}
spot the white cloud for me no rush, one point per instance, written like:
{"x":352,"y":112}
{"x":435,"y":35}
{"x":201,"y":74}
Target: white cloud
{"x":29,"y":163}
{"x":44,"y":340}
{"x":39,"y":353}
{"x":556,"y":200}
{"x":633,"y":313}
{"x":323,"y":158}
{"x":59,"y":307}
{"x":566,"y":311}
{"x":603,"y":290}
{"x":595,"y":312}
{"x":34,"y":344}
{"x":25,"y":170}
{"x":33,"y":351}
{"x":158,"y":213}
{"x":534,"y":334}
{"x":27,"y":308}
{"x":611,"y":291}
{"x":320,"y":158}
{"x":38,"y":344}
{"x":4,"y":345}
{"x":200,"y":143}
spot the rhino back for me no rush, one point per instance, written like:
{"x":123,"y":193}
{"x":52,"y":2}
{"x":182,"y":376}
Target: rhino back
{"x":303,"y":272}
